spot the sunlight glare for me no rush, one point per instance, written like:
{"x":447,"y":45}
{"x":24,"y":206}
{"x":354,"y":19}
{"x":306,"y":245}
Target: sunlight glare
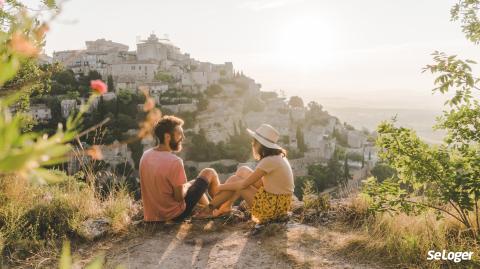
{"x":306,"y":42}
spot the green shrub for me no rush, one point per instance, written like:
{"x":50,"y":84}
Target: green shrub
{"x":49,"y":220}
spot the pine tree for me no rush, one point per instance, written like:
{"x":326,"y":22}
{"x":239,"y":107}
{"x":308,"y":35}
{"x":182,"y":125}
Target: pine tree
{"x":111,"y":87}
{"x":346,"y":169}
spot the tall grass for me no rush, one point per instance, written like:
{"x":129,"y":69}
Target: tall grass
{"x":401,"y":240}
{"x":36,"y":219}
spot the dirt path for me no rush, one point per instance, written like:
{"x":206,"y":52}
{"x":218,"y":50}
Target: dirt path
{"x":214,"y":245}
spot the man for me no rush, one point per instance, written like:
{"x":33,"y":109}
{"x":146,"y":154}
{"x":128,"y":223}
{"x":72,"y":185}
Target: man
{"x":166,"y":195}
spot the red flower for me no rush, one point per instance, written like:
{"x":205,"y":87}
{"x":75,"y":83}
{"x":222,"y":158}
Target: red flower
{"x":98,"y":86}
{"x":149,"y":104}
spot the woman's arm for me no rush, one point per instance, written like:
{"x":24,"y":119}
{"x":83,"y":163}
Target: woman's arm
{"x":242,"y":184}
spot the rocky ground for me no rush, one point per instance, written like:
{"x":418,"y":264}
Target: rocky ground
{"x":228,"y":243}
{"x":213,"y":244}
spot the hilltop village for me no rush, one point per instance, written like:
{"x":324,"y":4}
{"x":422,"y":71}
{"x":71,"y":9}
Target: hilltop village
{"x":218,"y":102}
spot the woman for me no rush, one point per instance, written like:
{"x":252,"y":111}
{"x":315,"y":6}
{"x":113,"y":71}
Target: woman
{"x":267,"y":190}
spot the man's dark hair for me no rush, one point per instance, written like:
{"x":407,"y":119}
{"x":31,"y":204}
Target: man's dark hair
{"x":166,"y":126}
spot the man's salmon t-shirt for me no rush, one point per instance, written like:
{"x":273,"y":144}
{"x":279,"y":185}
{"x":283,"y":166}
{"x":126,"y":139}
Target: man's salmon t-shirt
{"x":160,"y":172}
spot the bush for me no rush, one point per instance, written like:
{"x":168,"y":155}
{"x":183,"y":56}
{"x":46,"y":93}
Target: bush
{"x":164,"y":77}
{"x":213,"y":90}
{"x":37,"y":218}
{"x":402,"y":240}
{"x":49,"y":220}
{"x":117,"y":208}
{"x":382,"y":171}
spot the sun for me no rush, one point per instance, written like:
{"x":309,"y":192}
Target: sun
{"x":306,"y":42}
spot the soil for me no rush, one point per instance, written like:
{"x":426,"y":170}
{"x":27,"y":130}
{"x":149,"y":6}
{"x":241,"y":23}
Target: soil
{"x":215,"y":244}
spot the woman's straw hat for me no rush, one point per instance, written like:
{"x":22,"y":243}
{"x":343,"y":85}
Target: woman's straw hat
{"x":266,"y":135}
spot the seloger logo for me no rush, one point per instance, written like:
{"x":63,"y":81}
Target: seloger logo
{"x":449,"y":256}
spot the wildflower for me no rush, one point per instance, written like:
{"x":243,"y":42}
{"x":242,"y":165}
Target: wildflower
{"x":144,"y":90}
{"x":95,"y":152}
{"x":21,"y":45}
{"x":149,"y":104}
{"x":40,"y":32}
{"x":98,"y":86}
{"x":151,"y":119}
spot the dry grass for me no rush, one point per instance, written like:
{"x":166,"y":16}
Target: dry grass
{"x":400,"y":240}
{"x":118,"y":208}
{"x":36,"y":219}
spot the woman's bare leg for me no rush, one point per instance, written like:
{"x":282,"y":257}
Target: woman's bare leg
{"x":223,"y":200}
{"x":242,"y":173}
{"x":225,"y":196}
{"x":248,"y":194}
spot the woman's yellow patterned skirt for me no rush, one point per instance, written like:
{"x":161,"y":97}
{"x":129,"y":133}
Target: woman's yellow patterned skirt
{"x":268,"y":206}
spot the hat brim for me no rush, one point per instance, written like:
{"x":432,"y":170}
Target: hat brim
{"x":263,"y":141}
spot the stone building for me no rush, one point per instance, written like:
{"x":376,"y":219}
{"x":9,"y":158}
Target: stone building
{"x":142,"y":70}
{"x":40,"y":112}
{"x":68,"y":106}
{"x":105,"y":46}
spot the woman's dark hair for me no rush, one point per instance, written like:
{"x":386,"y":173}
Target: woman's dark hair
{"x":166,"y":125}
{"x":265,"y":151}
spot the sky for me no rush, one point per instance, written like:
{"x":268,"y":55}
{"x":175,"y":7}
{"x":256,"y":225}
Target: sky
{"x":346,"y":53}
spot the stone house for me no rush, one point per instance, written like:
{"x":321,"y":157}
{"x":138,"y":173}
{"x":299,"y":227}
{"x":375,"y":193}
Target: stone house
{"x":40,"y":112}
{"x":67,"y":106}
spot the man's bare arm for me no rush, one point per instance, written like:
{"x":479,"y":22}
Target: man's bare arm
{"x":179,"y":193}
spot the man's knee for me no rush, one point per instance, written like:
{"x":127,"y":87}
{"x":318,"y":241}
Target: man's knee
{"x":243,"y":171}
{"x":208,"y":173}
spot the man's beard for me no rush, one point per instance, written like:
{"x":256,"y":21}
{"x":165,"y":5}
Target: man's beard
{"x":175,"y":146}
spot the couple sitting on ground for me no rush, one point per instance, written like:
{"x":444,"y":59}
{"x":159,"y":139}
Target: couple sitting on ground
{"x":167,"y":196}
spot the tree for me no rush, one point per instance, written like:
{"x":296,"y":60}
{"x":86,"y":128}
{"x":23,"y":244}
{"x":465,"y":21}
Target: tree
{"x":382,"y":171}
{"x":213,"y":90}
{"x":314,"y":107}
{"x":164,"y":77}
{"x":341,"y":137}
{"x":302,"y":147}
{"x":137,"y":150}
{"x":30,"y":80}
{"x":295,"y":101}
{"x":111,"y":87}
{"x":23,"y":153}
{"x":446,"y":177}
{"x":202,"y":103}
{"x":335,"y":171}
{"x":346,"y":170}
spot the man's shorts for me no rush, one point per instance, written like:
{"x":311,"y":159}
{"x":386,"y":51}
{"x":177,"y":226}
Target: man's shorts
{"x":194,"y":193}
